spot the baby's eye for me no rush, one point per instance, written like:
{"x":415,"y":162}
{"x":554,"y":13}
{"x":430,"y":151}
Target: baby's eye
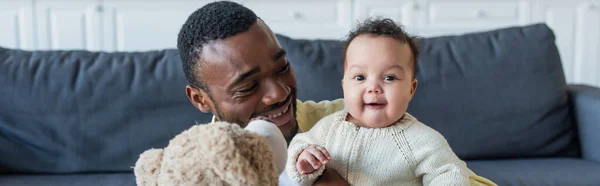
{"x":359,"y":78}
{"x":390,"y":78}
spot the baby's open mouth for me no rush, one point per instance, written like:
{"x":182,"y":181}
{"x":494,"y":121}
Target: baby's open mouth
{"x":375,"y":105}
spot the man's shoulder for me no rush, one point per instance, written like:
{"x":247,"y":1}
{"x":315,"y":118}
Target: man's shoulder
{"x":309,"y":112}
{"x":325,"y":105}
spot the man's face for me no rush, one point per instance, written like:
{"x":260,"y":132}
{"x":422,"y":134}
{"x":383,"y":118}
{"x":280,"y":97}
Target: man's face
{"x":247,"y":76}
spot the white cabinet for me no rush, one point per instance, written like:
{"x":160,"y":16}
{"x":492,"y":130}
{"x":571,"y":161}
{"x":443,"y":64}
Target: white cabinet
{"x":17,"y":24}
{"x":404,"y":12}
{"x":457,"y":17}
{"x":587,"y":44}
{"x":576,"y":25}
{"x":443,"y":17}
{"x":305,"y":19}
{"x":147,"y":25}
{"x":561,"y":17}
{"x":134,"y":25}
{"x":64,"y":24}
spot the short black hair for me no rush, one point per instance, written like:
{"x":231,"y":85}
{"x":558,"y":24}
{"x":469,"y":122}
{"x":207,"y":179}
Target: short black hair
{"x":214,"y":21}
{"x":384,"y":27}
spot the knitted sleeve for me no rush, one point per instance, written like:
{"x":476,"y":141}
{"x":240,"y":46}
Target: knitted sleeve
{"x":315,"y":136}
{"x":435,"y":161}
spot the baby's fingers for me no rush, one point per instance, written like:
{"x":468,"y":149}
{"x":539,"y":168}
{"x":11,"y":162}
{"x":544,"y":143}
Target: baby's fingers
{"x":310,"y":158}
{"x":304,"y":167}
{"x":325,"y":152}
{"x":318,"y":154}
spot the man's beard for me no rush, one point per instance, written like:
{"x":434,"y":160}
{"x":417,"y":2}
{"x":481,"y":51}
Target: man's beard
{"x":217,"y":111}
{"x":221,"y":117}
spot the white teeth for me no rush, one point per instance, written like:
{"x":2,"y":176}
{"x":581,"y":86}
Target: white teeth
{"x":278,"y":114}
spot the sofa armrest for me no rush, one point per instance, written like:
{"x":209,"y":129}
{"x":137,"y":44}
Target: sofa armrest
{"x":586,"y":110}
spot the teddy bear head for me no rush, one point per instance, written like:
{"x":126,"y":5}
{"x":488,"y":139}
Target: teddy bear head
{"x":209,"y":154}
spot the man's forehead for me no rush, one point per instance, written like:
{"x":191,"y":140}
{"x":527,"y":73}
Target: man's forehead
{"x":240,"y":53}
{"x":219,"y":52}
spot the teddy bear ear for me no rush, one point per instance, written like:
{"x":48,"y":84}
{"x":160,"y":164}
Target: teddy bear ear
{"x":147,"y":167}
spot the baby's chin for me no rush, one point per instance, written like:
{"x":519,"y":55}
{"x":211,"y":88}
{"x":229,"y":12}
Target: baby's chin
{"x":369,"y":122}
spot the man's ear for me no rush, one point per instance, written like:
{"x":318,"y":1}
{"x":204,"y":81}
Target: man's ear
{"x":199,"y":98}
{"x":413,"y":87}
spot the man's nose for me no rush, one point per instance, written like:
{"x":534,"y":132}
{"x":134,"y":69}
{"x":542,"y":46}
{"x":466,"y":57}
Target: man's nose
{"x":275,"y":92}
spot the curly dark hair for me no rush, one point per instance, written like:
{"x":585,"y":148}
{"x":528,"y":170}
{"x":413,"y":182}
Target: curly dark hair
{"x":384,"y":27}
{"x":214,"y":21}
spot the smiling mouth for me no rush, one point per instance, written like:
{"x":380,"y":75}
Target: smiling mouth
{"x":285,"y":109}
{"x":279,"y":116}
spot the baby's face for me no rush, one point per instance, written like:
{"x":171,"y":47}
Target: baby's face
{"x":378,"y":80}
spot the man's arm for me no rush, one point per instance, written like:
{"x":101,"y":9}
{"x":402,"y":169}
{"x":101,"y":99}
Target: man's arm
{"x":331,"y":177}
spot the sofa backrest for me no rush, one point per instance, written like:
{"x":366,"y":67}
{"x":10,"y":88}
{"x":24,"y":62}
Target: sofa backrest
{"x":496,"y":94}
{"x":493,"y":94}
{"x":78,"y":111}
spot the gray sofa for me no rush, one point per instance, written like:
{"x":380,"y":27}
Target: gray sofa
{"x":499,"y":97}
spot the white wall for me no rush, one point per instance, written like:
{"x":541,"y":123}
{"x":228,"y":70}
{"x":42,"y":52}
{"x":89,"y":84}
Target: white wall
{"x":137,"y":25}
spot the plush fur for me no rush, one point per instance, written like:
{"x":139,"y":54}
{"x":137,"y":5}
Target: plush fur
{"x":211,"y":154}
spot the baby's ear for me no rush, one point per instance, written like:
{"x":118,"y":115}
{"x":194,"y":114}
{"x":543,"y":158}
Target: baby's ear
{"x":413,"y":89}
{"x":147,"y":167}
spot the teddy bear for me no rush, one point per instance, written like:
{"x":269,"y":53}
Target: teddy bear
{"x":218,"y":153}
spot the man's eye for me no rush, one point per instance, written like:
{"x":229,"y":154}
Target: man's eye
{"x":359,"y":78}
{"x":390,"y":78}
{"x":248,"y":89}
{"x":284,"y":69}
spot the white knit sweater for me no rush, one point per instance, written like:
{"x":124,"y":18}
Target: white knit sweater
{"x":405,"y":153}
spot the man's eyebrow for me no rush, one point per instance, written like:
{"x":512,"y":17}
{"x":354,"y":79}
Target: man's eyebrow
{"x":245,"y":75}
{"x":279,"y":54}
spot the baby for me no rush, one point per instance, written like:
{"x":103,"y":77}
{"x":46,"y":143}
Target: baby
{"x":374,"y":141}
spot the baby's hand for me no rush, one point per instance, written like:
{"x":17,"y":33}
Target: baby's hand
{"x":312,"y":158}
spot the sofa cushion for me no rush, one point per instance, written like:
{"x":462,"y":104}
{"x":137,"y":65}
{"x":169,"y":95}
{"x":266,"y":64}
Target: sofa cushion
{"x":538,"y":172}
{"x":496,"y":94}
{"x":78,"y":111}
{"x":100,"y":179}
{"x":493,"y":94}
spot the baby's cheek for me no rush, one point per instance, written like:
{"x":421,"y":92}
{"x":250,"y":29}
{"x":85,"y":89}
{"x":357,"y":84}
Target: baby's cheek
{"x":400,"y":106}
{"x":354,"y":102}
